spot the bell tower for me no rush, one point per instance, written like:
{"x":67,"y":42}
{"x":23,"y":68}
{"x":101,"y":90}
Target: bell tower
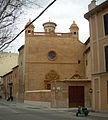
{"x":30,"y":28}
{"x":49,"y":27}
{"x":74,"y":29}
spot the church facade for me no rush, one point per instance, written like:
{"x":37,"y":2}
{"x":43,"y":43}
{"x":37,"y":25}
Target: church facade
{"x":53,"y":67}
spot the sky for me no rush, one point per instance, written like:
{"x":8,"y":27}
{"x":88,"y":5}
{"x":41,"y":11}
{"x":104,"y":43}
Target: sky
{"x":62,"y":12}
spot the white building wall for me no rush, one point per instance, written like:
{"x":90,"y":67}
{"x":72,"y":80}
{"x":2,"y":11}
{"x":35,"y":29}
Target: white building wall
{"x":7,"y":62}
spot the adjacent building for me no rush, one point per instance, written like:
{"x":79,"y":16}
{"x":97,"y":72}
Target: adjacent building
{"x":98,"y":24}
{"x":7,"y":61}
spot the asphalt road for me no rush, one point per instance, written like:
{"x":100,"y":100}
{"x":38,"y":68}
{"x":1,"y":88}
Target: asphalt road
{"x":8,"y":112}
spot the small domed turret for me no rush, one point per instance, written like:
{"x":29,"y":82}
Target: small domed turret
{"x":74,"y":29}
{"x":49,"y":27}
{"x":30,"y":28}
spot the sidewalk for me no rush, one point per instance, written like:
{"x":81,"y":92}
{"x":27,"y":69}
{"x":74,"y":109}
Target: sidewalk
{"x":7,"y":103}
{"x":46,"y":106}
{"x":26,"y":104}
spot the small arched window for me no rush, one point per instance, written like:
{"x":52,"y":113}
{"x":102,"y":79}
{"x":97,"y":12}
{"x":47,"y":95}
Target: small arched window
{"x":75,"y":33}
{"x":29,"y":31}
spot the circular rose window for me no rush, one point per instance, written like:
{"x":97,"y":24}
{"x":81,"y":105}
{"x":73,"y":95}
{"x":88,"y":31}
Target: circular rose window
{"x":52,"y":55}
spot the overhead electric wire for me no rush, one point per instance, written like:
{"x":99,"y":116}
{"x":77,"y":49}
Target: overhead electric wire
{"x":8,"y":43}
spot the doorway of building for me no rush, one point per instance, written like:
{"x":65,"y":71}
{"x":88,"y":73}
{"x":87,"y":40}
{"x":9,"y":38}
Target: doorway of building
{"x":76,"y":96}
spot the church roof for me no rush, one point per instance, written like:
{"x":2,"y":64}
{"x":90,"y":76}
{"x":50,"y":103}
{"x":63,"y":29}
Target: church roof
{"x":50,"y":23}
